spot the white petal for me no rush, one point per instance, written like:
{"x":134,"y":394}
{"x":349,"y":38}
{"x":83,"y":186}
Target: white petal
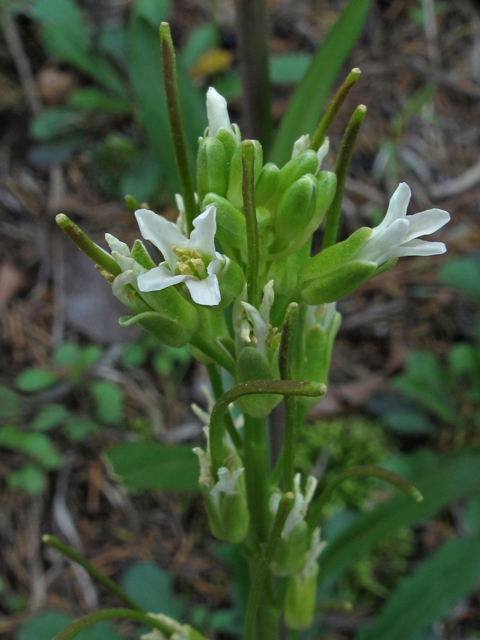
{"x":124,"y":262}
{"x":382,"y":241}
{"x":227,"y":481}
{"x":202,"y":237}
{"x":162,"y":233}
{"x":117,"y":245}
{"x":205,"y":292}
{"x":322,"y":152}
{"x":267,"y":301}
{"x":158,"y":278}
{"x":300,"y":145}
{"x":260,"y":329}
{"x":418,"y":248}
{"x":217,"y":113}
{"x":127,"y":277}
{"x":398,"y":205}
{"x":426,"y":222}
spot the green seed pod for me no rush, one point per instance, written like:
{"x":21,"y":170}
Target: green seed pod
{"x":300,"y":600}
{"x":296,"y":208}
{"x":267,"y":183}
{"x":289,"y":556}
{"x":234,"y":193}
{"x":228,"y":515}
{"x":251,"y":365}
{"x":212,"y":168}
{"x":305,"y":162}
{"x":231,"y":227}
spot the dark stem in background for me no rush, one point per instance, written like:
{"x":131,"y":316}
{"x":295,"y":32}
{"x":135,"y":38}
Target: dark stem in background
{"x":253,"y":54}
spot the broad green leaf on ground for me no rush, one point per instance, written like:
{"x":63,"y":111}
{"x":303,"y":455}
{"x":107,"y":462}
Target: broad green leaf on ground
{"x":37,"y":445}
{"x":55,"y":122}
{"x":306,"y":104}
{"x":10,"y":402}
{"x":289,"y":68}
{"x":35,"y":379}
{"x":49,"y":417}
{"x":30,"y":478}
{"x":108,"y":401}
{"x":92,"y":99}
{"x":45,"y":626}
{"x":409,"y":422}
{"x":151,"y":588}
{"x":441,"y":479}
{"x":151,"y":465}
{"x":463,"y":274}
{"x":441,"y":581}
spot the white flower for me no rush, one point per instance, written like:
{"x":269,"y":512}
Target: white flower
{"x":323,"y":316}
{"x":316,"y":548}
{"x":217,"y":114}
{"x":397,"y":234}
{"x":131,"y":269}
{"x":253,"y":326}
{"x":303,"y":144}
{"x":322,"y":152}
{"x":300,"y":505}
{"x":193,"y":260}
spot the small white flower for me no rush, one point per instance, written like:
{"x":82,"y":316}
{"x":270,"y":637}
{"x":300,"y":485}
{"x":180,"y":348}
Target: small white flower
{"x":227,"y":483}
{"x":301,"y":145}
{"x":300,"y":505}
{"x":252,"y":326}
{"x":323,"y":316}
{"x":217,"y":114}
{"x":316,"y":548}
{"x":131,"y":269}
{"x":193,"y":260}
{"x":397,"y":234}
{"x":322,"y":152}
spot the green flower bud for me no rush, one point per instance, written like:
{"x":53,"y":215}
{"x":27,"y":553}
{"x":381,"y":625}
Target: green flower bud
{"x":305,"y":162}
{"x":296,"y":207}
{"x":231,"y":281}
{"x":267,"y":183}
{"x":334,"y":273}
{"x":234,"y":193}
{"x":211,"y":327}
{"x":326,"y":187}
{"x":229,"y":142}
{"x":231,"y":227}
{"x":252,"y":365}
{"x":212,"y":168}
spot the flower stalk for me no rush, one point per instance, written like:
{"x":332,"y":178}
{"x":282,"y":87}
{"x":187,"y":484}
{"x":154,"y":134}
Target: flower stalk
{"x":248,"y":192}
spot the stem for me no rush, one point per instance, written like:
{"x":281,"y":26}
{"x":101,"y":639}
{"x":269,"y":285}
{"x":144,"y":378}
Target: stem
{"x":253,"y":387}
{"x":217,"y":386}
{"x":253,"y":53}
{"x":89,"y":248}
{"x":284,"y":360}
{"x":341,"y":170}
{"x":253,"y":249}
{"x":333,"y":109}
{"x":284,"y":508}
{"x":176,"y":128}
{"x":90,"y":619}
{"x":369,"y":471}
{"x":67,"y":551}
{"x":212,"y":352}
{"x":255,"y":459}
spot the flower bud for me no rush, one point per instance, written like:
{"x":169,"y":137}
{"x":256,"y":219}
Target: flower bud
{"x":296,"y":207}
{"x":234,"y":193}
{"x":326,"y":187}
{"x":230,"y":143}
{"x":231,"y":228}
{"x":267,"y":183}
{"x":332,"y":274}
{"x":305,"y":162}
{"x":252,"y":365}
{"x":231,"y":281}
{"x":212,"y":168}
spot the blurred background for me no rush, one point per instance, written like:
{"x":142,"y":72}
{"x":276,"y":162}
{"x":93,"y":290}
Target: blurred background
{"x":82,"y":123}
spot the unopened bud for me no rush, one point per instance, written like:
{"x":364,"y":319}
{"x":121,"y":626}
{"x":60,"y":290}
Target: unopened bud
{"x":231,"y":227}
{"x":300,"y":600}
{"x":305,"y":162}
{"x":296,"y":207}
{"x":267,"y":183}
{"x":212,"y":168}
{"x":234,"y":193}
{"x":252,"y":365}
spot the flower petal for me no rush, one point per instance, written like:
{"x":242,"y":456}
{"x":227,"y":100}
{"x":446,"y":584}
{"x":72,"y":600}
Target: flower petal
{"x":205,"y":292}
{"x":382,"y":241}
{"x":117,"y":245}
{"x":417,"y":248}
{"x":157,"y":279}
{"x":217,"y":113}
{"x":426,"y":222}
{"x":162,"y":233}
{"x":398,"y":205}
{"x":322,"y":152}
{"x":300,"y":145}
{"x":202,"y":237}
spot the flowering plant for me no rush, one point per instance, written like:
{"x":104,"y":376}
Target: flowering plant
{"x":238,"y":284}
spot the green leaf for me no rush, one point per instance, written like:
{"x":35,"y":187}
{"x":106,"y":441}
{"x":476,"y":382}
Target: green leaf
{"x":10,"y":402}
{"x":30,"y":478}
{"x":151,"y":588}
{"x":441,"y":480}
{"x":95,"y":100}
{"x":289,"y":68}
{"x":56,"y":151}
{"x":45,"y":626}
{"x":306,"y":104}
{"x":66,"y":354}
{"x":408,"y":422}
{"x":50,"y":416}
{"x":447,"y":576}
{"x":151,"y":465}
{"x":35,"y":379}
{"x":202,"y":40}
{"x":88,"y":356}
{"x":78,"y":430}
{"x":472,"y":515}
{"x":108,"y":401}
{"x":463,"y":274}
{"x":134,"y":354}
{"x":36,"y":445}
{"x":55,"y":122}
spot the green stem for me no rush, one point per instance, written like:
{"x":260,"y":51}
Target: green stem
{"x":253,"y":250}
{"x":369,"y":471}
{"x":206,"y":347}
{"x":341,"y":170}
{"x":176,"y":128}
{"x":284,"y":360}
{"x":333,"y":109}
{"x":90,"y":619}
{"x":255,"y":460}
{"x":253,"y":53}
{"x":254,"y":387}
{"x":284,"y":508}
{"x":67,"y":551}
{"x":89,"y":248}
{"x":217,"y":386}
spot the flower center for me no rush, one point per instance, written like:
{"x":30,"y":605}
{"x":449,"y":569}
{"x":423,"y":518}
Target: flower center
{"x":190,"y":263}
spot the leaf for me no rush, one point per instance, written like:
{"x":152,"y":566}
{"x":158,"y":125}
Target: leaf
{"x":408,"y":422}
{"x":108,"y":401}
{"x":289,"y":68}
{"x":66,"y":354}
{"x":462,"y":274}
{"x":306,"y":104}
{"x":45,"y":626}
{"x":78,"y":430}
{"x":151,"y":465}
{"x":10,"y":403}
{"x":202,"y":40}
{"x":35,"y":379}
{"x":50,"y":416}
{"x":92,"y":99}
{"x":151,"y":588}
{"x":37,"y":445}
{"x":55,"y":122}
{"x":134,"y":354}
{"x":31,"y":478}
{"x":56,"y":151}
{"x":441,"y":480}
{"x":444,"y":578}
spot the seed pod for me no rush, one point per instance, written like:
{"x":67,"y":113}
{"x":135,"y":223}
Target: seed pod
{"x":300,"y":600}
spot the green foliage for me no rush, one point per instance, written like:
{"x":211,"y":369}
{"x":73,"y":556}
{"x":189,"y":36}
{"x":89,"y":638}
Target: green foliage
{"x":10,"y":402}
{"x":151,"y":588}
{"x":44,"y":626}
{"x":108,"y":402}
{"x":35,"y":379}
